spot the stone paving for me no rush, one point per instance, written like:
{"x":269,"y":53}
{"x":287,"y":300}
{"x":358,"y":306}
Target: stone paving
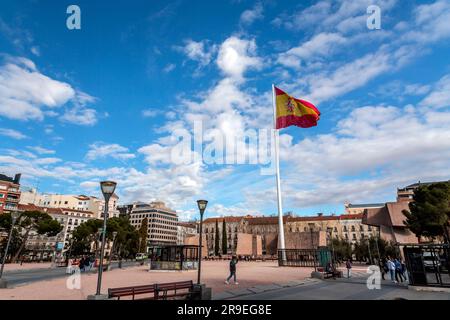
{"x":259,"y":275}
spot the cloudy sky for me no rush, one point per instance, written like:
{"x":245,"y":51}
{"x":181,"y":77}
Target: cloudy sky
{"x":104,"y":102}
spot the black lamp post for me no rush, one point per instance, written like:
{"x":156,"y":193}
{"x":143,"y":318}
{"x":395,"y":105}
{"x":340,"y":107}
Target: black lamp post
{"x":108,"y":188}
{"x":14,"y":216}
{"x":311,"y":227}
{"x":201,"y":206}
{"x":330,"y":230}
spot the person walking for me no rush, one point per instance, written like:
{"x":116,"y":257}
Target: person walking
{"x":391,"y":267}
{"x":404,"y":271}
{"x":348,"y":265}
{"x":383,"y":268}
{"x":398,"y":271}
{"x":233,"y":263}
{"x":81,"y":265}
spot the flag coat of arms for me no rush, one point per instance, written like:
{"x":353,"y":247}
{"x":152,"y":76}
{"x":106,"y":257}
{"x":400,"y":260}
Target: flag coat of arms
{"x":294,"y":112}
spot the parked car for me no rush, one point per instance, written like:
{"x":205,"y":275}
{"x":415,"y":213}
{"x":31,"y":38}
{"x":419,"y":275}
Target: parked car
{"x":431,"y":261}
{"x":141,"y":256}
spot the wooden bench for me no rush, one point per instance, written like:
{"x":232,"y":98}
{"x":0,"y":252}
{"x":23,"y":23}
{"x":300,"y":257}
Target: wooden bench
{"x":158,"y":291}
{"x":133,"y":292}
{"x":174,"y":289}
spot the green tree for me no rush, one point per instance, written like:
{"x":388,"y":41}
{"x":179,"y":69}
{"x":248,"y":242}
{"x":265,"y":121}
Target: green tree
{"x":40,"y":222}
{"x":224,"y":238}
{"x":126,"y":243}
{"x":342,"y":249}
{"x":217,"y":239}
{"x":429,"y":212}
{"x":143,"y":233}
{"x":16,"y":239}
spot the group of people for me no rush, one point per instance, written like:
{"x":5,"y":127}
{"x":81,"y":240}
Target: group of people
{"x":396,"y":269}
{"x":86,"y":263}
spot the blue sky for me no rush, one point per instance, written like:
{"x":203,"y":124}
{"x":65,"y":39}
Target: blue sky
{"x":103,"y":102}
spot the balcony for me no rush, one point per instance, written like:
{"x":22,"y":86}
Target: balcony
{"x":9,"y":199}
{"x":13,"y":190}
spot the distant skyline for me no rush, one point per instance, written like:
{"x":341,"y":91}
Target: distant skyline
{"x":81,"y":106}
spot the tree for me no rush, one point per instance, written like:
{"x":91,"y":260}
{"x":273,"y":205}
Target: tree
{"x":127,"y":239}
{"x":429,"y":212}
{"x":217,"y":239}
{"x":40,"y":222}
{"x":224,"y":238}
{"x":143,"y":233}
{"x":16,"y":239}
{"x":342,"y":249}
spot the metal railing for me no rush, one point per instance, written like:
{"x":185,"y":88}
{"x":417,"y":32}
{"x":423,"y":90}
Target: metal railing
{"x":428,"y":264}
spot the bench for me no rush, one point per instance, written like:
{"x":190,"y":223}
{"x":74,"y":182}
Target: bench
{"x":133,"y":292}
{"x":159,"y":291}
{"x":174,"y":289}
{"x":330,"y":274}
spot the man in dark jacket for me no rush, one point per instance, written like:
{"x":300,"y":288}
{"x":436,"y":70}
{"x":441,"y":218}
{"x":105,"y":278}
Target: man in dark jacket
{"x":233,"y":264}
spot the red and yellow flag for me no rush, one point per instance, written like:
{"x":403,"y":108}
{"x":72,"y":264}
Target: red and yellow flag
{"x":294,"y":112}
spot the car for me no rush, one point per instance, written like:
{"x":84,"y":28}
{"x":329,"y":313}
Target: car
{"x":431,"y":261}
{"x":141,"y":256}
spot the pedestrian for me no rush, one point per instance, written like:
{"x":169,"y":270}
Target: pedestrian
{"x":233,"y":263}
{"x":398,"y":271}
{"x":348,"y":265}
{"x":87,"y":264}
{"x":81,"y":265}
{"x":383,"y":268}
{"x":391,"y":268}
{"x":404,"y":271}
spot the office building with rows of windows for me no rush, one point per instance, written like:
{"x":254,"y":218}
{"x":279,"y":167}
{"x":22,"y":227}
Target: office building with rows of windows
{"x":162,"y":222}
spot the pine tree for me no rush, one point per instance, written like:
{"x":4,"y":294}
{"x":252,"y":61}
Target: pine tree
{"x":224,"y":238}
{"x":429,"y":213}
{"x":217,"y":240}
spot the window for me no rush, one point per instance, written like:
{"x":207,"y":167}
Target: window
{"x":66,"y":202}
{"x":354,"y":237}
{"x":361,"y":228}
{"x":2,"y":195}
{"x":353,"y":228}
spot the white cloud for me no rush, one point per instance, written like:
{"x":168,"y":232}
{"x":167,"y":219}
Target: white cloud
{"x":80,"y":116}
{"x":169,"y":68}
{"x":150,"y":113}
{"x":440,"y":95}
{"x":251,"y":15}
{"x":101,"y":150}
{"x":41,"y":150}
{"x":27,"y":94}
{"x":12,"y":134}
{"x":321,"y":45}
{"x":199,"y":51}
{"x":236,"y":56}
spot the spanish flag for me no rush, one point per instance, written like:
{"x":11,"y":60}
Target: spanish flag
{"x":294,"y":112}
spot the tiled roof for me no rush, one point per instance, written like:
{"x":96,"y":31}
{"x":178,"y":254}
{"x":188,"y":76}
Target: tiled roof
{"x":366,"y":205}
{"x":227,"y":219}
{"x":32,"y":207}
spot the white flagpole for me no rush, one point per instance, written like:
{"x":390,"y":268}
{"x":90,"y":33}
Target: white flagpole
{"x":281,"y":244}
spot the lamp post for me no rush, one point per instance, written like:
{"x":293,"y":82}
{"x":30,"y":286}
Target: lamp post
{"x":108,"y":188}
{"x":201,"y":207}
{"x":330,"y":230}
{"x":14,"y":217}
{"x":311,"y":227}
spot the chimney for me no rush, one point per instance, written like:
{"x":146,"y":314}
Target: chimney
{"x":17,"y":178}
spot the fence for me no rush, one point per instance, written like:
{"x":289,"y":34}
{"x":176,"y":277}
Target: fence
{"x":303,"y":257}
{"x":428,"y":265}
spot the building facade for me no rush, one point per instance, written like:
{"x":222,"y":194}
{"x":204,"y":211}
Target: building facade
{"x":300,"y":232}
{"x":74,"y":202}
{"x":9,"y":193}
{"x":186,"y":230}
{"x":162,"y":222}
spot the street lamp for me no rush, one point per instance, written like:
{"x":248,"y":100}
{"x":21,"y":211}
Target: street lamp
{"x":14,"y":216}
{"x":201,"y":207}
{"x":311,"y":227}
{"x":108,"y":188}
{"x":330,"y":230}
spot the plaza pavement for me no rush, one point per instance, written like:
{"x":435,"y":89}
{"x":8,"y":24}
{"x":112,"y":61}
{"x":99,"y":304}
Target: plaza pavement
{"x":262,"y":275}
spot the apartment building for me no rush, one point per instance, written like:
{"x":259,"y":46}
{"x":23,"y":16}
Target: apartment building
{"x":9,"y":193}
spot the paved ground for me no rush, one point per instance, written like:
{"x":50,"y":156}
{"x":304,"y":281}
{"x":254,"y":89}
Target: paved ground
{"x":17,"y":275}
{"x":250,"y":274}
{"x":354,"y":288}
